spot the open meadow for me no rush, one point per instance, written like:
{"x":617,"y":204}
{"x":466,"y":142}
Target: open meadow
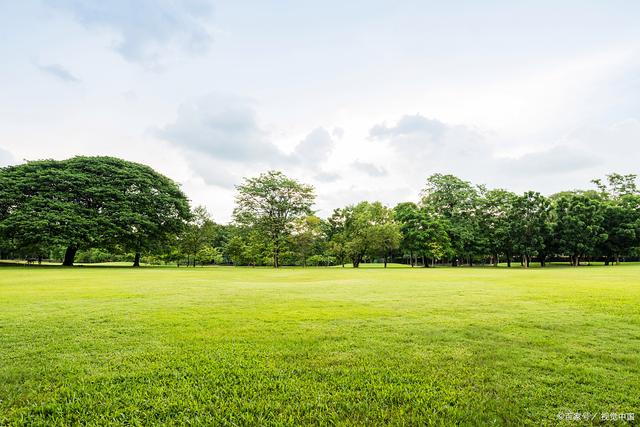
{"x":259,"y":346}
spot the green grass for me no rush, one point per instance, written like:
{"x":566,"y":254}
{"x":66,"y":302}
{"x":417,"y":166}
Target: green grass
{"x":242,"y":346}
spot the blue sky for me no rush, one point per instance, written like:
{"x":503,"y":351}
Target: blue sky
{"x":362,"y":99}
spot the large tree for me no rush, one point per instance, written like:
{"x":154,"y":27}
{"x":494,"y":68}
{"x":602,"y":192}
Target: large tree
{"x":423,"y":234}
{"x":497,"y":223}
{"x":269,"y":204}
{"x":531,"y":219}
{"x":579,"y":224}
{"x":86,"y":202}
{"x":368,"y":229}
{"x":454,"y":201}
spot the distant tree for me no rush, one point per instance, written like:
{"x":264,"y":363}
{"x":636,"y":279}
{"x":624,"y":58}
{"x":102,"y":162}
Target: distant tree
{"x":497,"y":223}
{"x":621,"y":223}
{"x":407,"y":215}
{"x":531,"y":216}
{"x":369,"y":230}
{"x":89,"y":202}
{"x":579,"y":224}
{"x":617,"y":185}
{"x":208,"y":255}
{"x":423,"y":234}
{"x":385,"y":231}
{"x":335,"y":234}
{"x":269,"y":204}
{"x":306,"y":237}
{"x":199,"y":233}
{"x":454,"y":202}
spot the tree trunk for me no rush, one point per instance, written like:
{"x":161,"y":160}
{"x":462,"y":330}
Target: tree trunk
{"x":136,"y":260}
{"x":508,"y":260}
{"x":69,"y":256}
{"x":385,"y":261}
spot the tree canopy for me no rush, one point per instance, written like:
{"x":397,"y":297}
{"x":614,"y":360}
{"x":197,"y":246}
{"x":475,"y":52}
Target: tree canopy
{"x":270,"y":204}
{"x":104,"y":208}
{"x":89,"y":202}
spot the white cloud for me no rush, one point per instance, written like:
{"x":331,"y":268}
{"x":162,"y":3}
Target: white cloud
{"x":369,"y":169}
{"x":144,"y":29}
{"x":314,"y":149}
{"x":222,"y":138}
{"x":223,"y":127}
{"x":59,"y":72}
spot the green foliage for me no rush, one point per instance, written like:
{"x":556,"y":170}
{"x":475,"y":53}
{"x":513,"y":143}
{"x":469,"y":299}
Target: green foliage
{"x":531,"y":223}
{"x":366,"y":229}
{"x":423,"y":233}
{"x":89,"y":202}
{"x":579,"y":224}
{"x":498,"y":223}
{"x":269,"y":205}
{"x":454,"y":202}
{"x":307,"y":237}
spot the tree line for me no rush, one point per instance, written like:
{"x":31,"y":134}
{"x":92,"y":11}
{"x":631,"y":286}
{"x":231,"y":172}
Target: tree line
{"x":108,"y":209}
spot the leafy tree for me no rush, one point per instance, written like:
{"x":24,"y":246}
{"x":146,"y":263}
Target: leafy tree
{"x":89,"y":202}
{"x":369,"y":230}
{"x":198,"y":234}
{"x":621,"y":223}
{"x":497,"y":223}
{"x":454,"y":202}
{"x":269,"y":204}
{"x":423,"y":234}
{"x":335,"y":234}
{"x":385,"y":231}
{"x":617,"y":185}
{"x":208,"y":255}
{"x":531,"y":215}
{"x":579,"y":224}
{"x":306,"y":236}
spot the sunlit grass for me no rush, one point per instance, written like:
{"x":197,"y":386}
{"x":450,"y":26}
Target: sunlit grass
{"x":240,"y":346}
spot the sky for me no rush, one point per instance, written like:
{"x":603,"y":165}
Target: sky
{"x":362,"y":99}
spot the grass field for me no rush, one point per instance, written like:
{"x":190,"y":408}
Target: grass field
{"x":242,"y":346}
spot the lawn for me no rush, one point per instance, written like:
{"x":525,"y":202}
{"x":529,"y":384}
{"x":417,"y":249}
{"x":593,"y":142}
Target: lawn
{"x":243,"y":346}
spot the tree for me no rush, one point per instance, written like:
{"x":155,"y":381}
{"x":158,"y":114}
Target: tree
{"x":306,"y":236}
{"x":197,"y":234}
{"x":208,"y":255}
{"x":423,"y":234}
{"x":454,"y":202}
{"x":385,"y":231}
{"x":531,"y":215}
{"x":270,"y":203}
{"x":336,"y":235}
{"x":617,"y":185}
{"x":369,"y":230}
{"x":89,"y":202}
{"x":497,"y":223}
{"x":407,"y":216}
{"x":579,"y":224}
